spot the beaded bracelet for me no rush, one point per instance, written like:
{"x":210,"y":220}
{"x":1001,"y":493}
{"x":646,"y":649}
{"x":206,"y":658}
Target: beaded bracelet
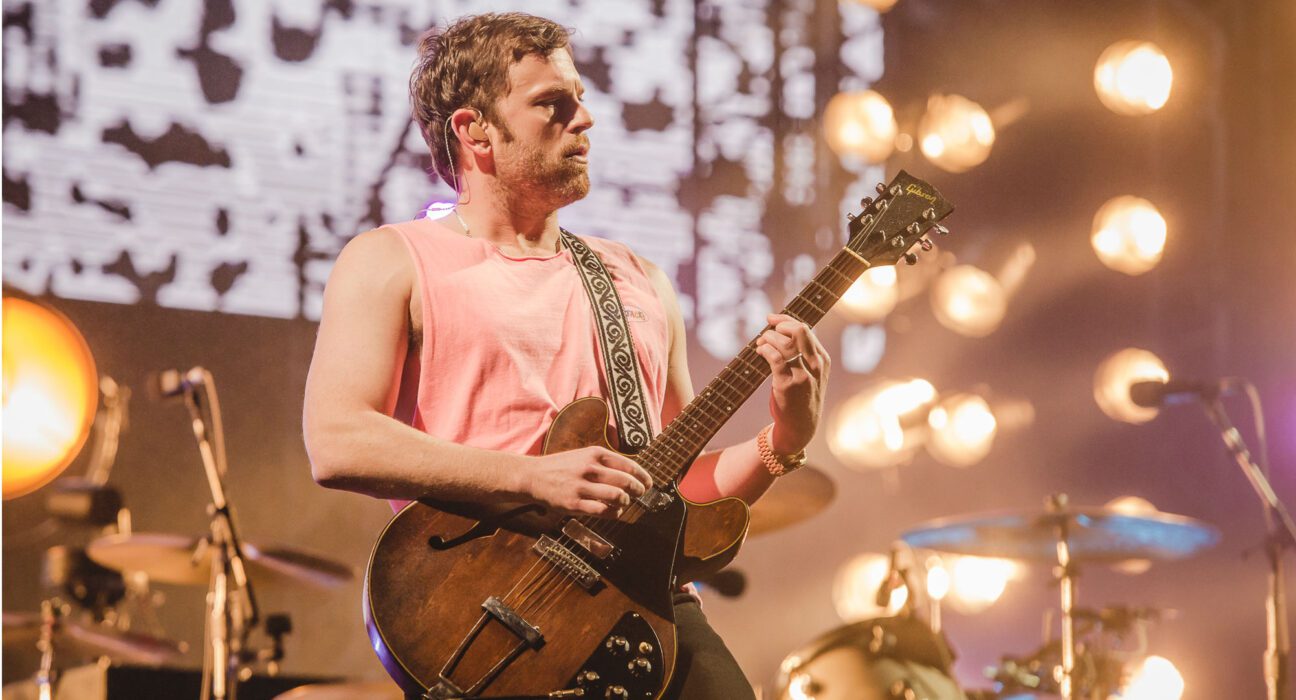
{"x":777,"y":464}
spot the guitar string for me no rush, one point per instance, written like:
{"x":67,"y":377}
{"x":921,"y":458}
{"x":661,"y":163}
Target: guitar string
{"x":554,"y":579}
{"x":717,"y":391}
{"x":563,"y":582}
{"x":550,"y":590}
{"x":722,"y":389}
{"x":545,"y":595}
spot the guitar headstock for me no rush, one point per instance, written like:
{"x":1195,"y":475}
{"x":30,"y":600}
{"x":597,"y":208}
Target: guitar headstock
{"x":901,"y":216}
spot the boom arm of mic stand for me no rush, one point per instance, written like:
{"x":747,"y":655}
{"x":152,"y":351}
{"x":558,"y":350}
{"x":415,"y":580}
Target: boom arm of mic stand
{"x":1281,"y":535}
{"x":233,"y":544}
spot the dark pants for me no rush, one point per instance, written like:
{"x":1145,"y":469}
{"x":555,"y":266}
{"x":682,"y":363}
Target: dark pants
{"x":704,"y":668}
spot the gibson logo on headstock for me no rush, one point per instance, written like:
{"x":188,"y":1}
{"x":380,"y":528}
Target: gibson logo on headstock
{"x":913,"y":188}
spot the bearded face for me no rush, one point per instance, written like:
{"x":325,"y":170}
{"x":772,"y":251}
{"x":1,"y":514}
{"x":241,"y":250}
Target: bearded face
{"x":543,"y":174}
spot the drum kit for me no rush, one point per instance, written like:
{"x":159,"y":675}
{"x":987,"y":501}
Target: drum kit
{"x":906,"y":657}
{"x":100,"y":594}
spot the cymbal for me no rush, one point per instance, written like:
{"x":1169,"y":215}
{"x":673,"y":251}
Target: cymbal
{"x":380,"y":690}
{"x":793,"y":498}
{"x":1094,"y":534}
{"x":23,"y":629}
{"x":186,"y":560}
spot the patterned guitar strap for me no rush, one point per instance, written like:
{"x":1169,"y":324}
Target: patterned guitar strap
{"x":620,"y":365}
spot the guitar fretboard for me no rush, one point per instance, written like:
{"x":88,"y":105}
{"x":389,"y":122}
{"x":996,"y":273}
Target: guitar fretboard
{"x":671,"y":452}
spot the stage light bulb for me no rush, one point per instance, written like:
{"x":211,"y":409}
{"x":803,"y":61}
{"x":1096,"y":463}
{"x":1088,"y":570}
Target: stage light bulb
{"x":1131,"y":505}
{"x":1114,"y":376}
{"x":801,"y":687}
{"x":860,"y":124}
{"x":881,"y":426}
{"x":938,"y":579}
{"x":1133,"y":77}
{"x":956,"y":133}
{"x":969,"y":301}
{"x":1154,"y":679}
{"x":873,"y":295}
{"x":963,"y":429}
{"x":879,"y":5}
{"x":978,"y":582}
{"x":856,"y":586}
{"x":51,"y":391}
{"x":1129,"y":235}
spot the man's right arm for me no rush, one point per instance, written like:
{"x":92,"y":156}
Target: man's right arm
{"x":355,"y":444}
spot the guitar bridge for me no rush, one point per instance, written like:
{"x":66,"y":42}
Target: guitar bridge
{"x":567,"y":561}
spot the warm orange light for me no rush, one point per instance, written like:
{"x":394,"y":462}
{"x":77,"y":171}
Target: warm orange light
{"x":1129,"y":235}
{"x":969,"y":301}
{"x":1154,"y":679}
{"x":873,"y":295}
{"x":956,"y":133}
{"x":882,"y":426}
{"x":1133,"y":77}
{"x":856,"y":585}
{"x":879,"y":5}
{"x":962,"y":430}
{"x":978,"y":582}
{"x":860,"y":124}
{"x":50,"y":395}
{"x":1114,"y":377}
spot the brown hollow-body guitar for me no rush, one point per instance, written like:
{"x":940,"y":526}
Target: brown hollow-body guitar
{"x":506,"y":601}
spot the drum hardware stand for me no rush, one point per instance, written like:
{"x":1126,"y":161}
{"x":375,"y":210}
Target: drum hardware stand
{"x":1280,"y":535}
{"x":47,"y":675}
{"x":229,"y":620}
{"x":1066,"y":573}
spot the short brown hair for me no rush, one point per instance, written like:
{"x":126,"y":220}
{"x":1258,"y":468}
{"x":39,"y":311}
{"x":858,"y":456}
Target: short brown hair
{"x":466,"y":65}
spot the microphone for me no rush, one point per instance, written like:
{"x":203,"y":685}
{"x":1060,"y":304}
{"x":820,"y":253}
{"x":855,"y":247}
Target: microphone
{"x":1152,"y":394}
{"x":172,"y":382}
{"x":889,"y":583}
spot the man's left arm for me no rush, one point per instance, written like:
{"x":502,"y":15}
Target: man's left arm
{"x":796,"y":402}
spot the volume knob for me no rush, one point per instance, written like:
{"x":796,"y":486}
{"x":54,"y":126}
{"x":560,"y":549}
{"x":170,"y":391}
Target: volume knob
{"x":618,"y":645}
{"x":616,"y":691}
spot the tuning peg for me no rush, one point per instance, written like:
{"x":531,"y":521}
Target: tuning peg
{"x":926,"y":243}
{"x":850,"y":217}
{"x":911,"y":259}
{"x":929,"y":214}
{"x":896,"y":191}
{"x":881,"y":188}
{"x":941,"y":229}
{"x":866,"y":202}
{"x":914,"y":229}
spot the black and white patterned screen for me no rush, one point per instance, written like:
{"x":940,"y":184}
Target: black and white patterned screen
{"x":217,"y":154}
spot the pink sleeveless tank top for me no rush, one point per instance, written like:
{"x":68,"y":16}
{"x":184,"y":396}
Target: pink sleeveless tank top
{"x":508,"y":342}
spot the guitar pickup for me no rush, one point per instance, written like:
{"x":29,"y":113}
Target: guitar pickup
{"x":654,"y":499}
{"x":591,"y":541}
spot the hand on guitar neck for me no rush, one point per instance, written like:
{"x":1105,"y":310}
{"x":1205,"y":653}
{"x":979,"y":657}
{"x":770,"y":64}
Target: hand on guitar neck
{"x":798,"y":373}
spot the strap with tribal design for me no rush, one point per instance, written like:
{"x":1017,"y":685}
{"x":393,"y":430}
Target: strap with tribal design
{"x":621,"y":367}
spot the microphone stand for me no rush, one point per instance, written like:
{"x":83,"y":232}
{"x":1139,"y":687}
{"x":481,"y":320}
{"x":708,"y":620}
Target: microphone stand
{"x":1280,"y":534}
{"x":228,"y":622}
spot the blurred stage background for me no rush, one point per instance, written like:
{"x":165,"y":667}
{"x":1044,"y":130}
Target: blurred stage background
{"x":178,"y":177}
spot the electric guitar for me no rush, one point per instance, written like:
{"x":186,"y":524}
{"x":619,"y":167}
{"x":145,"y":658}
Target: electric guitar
{"x":508,"y":601}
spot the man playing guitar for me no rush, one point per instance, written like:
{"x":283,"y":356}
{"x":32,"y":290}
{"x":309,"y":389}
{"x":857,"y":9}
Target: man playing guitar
{"x":446,"y":347}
